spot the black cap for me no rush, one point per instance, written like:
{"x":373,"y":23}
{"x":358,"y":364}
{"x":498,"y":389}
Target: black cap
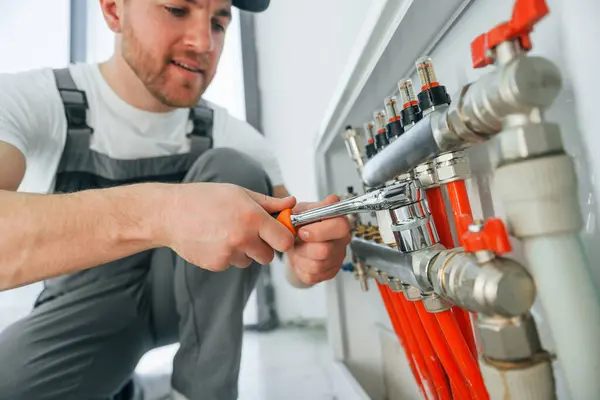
{"x":251,"y":5}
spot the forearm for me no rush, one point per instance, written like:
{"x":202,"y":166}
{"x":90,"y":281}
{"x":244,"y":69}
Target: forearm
{"x":42,"y":236}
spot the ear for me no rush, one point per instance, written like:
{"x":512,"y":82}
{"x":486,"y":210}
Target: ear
{"x":113,"y":14}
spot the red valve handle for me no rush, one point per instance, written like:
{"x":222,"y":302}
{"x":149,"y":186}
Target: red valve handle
{"x":526,"y":13}
{"x":492,"y":237}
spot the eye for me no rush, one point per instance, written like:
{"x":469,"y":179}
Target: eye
{"x":218,"y":27}
{"x":177,"y":12}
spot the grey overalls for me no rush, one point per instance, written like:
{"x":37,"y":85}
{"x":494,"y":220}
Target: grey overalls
{"x":88,"y":330}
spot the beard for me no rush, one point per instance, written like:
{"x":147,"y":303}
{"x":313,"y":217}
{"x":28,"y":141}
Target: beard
{"x":158,"y":76}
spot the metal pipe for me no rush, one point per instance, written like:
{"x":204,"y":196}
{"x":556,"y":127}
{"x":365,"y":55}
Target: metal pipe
{"x":523,"y":84}
{"x":409,"y":150}
{"x":355,"y":145}
{"x":498,"y":286}
{"x":385,"y":258}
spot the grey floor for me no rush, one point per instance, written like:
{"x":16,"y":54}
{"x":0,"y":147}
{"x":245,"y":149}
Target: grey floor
{"x":292,"y":363}
{"x":289,"y":363}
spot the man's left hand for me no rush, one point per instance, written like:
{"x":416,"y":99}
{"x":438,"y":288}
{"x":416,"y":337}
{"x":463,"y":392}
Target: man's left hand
{"x":320,"y":247}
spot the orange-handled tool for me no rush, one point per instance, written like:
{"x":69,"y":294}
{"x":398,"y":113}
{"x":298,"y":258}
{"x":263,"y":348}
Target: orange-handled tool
{"x":393,"y":196}
{"x":285,"y":217}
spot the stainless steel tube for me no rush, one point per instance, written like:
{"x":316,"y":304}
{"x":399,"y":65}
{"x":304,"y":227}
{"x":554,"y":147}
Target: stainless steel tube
{"x":405,"y":153}
{"x":386,"y":259}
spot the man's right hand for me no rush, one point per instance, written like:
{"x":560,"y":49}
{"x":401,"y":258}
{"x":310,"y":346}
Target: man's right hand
{"x":215,"y":225}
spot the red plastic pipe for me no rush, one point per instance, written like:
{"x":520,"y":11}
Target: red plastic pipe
{"x":458,"y":383}
{"x":459,"y":198}
{"x":400,"y":332}
{"x":438,"y":375}
{"x":463,"y":319}
{"x":440,"y":217}
{"x":390,"y":308}
{"x":466,"y":363}
{"x":413,"y":343}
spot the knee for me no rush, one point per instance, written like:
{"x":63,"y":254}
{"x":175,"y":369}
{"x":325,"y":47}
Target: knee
{"x":16,"y":377}
{"x":226,"y":165}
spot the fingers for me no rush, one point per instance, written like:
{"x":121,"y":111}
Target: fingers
{"x":261,"y":252}
{"x":331,"y":229}
{"x":317,"y":262}
{"x":314,"y":272}
{"x":271,"y":204}
{"x":309,"y":206}
{"x":275,"y":234}
{"x":315,"y":251}
{"x":240,"y":260}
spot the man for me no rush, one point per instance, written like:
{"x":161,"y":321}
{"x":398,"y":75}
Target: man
{"x":146,"y":210}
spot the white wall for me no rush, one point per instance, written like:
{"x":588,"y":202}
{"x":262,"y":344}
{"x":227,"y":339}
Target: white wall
{"x":24,"y":25}
{"x":35,"y":33}
{"x":303,"y":47}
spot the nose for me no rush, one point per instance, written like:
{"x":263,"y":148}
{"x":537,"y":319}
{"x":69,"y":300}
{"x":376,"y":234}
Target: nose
{"x":199,"y":36}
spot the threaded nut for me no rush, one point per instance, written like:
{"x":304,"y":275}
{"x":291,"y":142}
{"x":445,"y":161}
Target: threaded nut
{"x":395,"y":285}
{"x":412,"y":293}
{"x":425,"y":173}
{"x":508,"y":339}
{"x":434,"y":303}
{"x":529,"y":140}
{"x":452,"y":166}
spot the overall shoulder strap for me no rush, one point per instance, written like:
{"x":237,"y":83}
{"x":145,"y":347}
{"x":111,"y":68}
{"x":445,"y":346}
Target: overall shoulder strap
{"x":202,"y":117}
{"x":74,"y":101}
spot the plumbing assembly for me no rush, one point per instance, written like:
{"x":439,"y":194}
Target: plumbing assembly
{"x":459,"y":305}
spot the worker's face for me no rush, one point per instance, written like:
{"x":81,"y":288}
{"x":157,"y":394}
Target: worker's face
{"x":174,"y":46}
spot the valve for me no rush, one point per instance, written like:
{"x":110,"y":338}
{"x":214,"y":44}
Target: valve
{"x":526,"y":13}
{"x":381,"y":139}
{"x":370,"y":148}
{"x":432,"y":93}
{"x":489,"y":236}
{"x":348,"y":267}
{"x":394,"y":126}
{"x":411,"y":113}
